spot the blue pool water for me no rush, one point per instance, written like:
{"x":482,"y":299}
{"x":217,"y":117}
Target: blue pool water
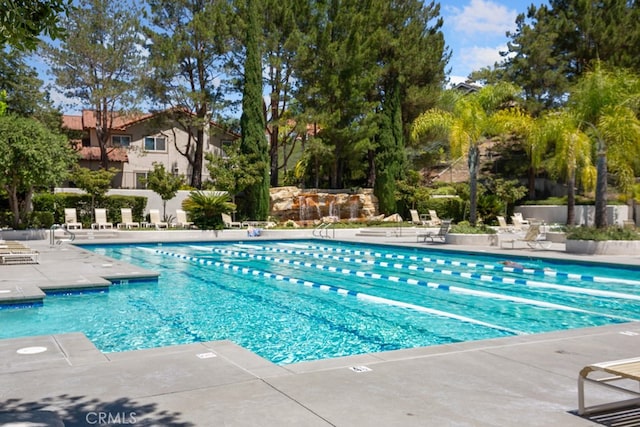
{"x":291,"y":301}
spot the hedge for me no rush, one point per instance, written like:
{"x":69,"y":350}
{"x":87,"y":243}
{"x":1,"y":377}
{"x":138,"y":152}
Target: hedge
{"x":56,"y":204}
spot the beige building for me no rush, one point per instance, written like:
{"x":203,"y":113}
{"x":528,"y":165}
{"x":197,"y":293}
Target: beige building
{"x":138,"y":141}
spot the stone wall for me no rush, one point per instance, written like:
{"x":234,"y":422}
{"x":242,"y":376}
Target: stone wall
{"x":313,"y":204}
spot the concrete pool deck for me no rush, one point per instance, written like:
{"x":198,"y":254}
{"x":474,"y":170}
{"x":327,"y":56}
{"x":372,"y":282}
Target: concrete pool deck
{"x":525,"y":381}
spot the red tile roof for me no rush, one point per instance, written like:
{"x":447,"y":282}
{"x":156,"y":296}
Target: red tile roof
{"x":120,"y":121}
{"x":93,"y":153}
{"x":88,"y":120}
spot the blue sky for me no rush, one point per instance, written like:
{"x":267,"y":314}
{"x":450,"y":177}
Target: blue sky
{"x":475,"y":31}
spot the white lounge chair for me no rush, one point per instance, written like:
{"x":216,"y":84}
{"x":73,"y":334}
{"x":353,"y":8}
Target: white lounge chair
{"x":12,"y":252}
{"x":518,"y":216}
{"x":101,"y":220}
{"x":181,"y":219}
{"x":127,"y":219}
{"x":418,"y":219}
{"x":229,"y":223}
{"x":502,"y":225}
{"x":435,"y":221}
{"x":154,"y":219}
{"x":71,"y":219}
{"x":623,"y":373}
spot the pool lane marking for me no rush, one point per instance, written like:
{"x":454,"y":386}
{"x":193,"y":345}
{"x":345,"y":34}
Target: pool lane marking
{"x":341,"y":291}
{"x":551,"y":273}
{"x":412,"y":281}
{"x":466,"y":275}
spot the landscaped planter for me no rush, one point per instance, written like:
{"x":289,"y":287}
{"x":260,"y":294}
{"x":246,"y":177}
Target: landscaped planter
{"x":603,"y":247}
{"x":32,"y":234}
{"x":472,"y":239}
{"x":556,"y":236}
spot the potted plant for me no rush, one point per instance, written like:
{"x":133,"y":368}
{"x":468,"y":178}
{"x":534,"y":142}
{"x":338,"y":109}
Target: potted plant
{"x":463,"y":233}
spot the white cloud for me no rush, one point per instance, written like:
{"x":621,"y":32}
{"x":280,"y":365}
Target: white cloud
{"x":476,"y":57}
{"x":484,"y":16}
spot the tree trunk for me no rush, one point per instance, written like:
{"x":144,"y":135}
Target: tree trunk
{"x":474,"y":158}
{"x":273,"y":142}
{"x":371,"y":177}
{"x":531,"y":175}
{"x":571,"y":199}
{"x":601,"y":188}
{"x":196,"y":172}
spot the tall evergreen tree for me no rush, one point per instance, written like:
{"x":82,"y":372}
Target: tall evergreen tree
{"x":281,"y":40}
{"x":23,"y":90}
{"x":22,"y":22}
{"x":555,"y":44}
{"x":189,"y":44}
{"x":99,"y":62}
{"x":252,"y":122}
{"x":411,"y":55}
{"x":336,"y":78}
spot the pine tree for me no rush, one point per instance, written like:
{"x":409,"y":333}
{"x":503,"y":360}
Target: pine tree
{"x":189,"y":43}
{"x":99,"y":62}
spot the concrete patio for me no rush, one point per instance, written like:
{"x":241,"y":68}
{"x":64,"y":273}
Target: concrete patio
{"x":525,"y":381}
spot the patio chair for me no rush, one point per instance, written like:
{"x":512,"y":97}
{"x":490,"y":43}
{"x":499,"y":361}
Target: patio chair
{"x":519,"y":217}
{"x":181,"y":219}
{"x":440,"y":234}
{"x":101,"y":220}
{"x":519,"y":225}
{"x":502,"y":225}
{"x":418,"y":219}
{"x":434,"y":218}
{"x":626,"y":372}
{"x":127,"y":219}
{"x":71,"y":219}
{"x":229,"y":223}
{"x":534,"y":238}
{"x":154,"y":219}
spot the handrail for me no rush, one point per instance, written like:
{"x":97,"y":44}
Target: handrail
{"x":324,"y":228}
{"x":52,"y":237}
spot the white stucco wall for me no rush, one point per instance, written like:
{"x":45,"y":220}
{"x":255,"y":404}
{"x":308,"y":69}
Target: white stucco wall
{"x":585,"y":215}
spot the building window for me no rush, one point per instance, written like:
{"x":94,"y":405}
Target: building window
{"x":121,"y":140}
{"x":226,"y":143}
{"x":155,"y":143}
{"x":141,"y":180}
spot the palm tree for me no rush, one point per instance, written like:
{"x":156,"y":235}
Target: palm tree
{"x":468,"y":122}
{"x":572,"y":153}
{"x":606,"y":104}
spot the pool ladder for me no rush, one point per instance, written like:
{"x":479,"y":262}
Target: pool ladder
{"x":322,"y":230}
{"x":52,"y":235}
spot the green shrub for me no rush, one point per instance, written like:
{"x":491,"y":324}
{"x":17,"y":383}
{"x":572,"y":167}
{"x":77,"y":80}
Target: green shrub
{"x":56,"y":203}
{"x":464,"y":227}
{"x":205,"y":209}
{"x":608,"y":233}
{"x":40,"y":219}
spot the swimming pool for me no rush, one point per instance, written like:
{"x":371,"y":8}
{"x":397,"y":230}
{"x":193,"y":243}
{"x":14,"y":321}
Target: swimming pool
{"x":291,"y":301}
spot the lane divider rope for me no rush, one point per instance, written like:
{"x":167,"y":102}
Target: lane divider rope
{"x":341,"y":291}
{"x":466,"y":275}
{"x":551,"y":273}
{"x":418,"y":282}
